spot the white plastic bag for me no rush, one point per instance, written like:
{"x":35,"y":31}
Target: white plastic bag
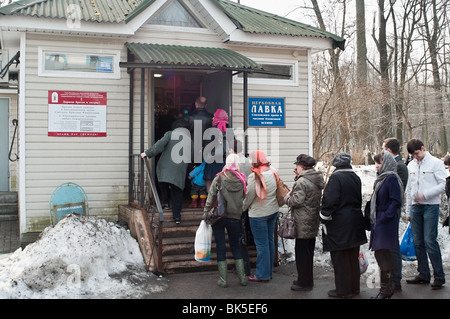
{"x":202,"y":244}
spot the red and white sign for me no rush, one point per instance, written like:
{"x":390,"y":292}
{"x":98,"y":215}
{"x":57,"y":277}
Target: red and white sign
{"x":73,"y":113}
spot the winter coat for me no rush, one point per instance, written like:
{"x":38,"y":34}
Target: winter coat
{"x":170,"y":170}
{"x":341,"y":213}
{"x":384,"y":234}
{"x":197,"y":175}
{"x":264,"y":207}
{"x":232,"y":191}
{"x":426,"y":177}
{"x":304,"y":200}
{"x":200,"y":114}
{"x":402,"y":171}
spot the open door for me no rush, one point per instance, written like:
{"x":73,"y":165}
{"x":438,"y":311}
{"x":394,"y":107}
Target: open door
{"x":217,"y":90}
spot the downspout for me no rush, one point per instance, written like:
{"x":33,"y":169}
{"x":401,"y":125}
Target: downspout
{"x":21,"y":138}
{"x":142,"y":145}
{"x":245,"y":113}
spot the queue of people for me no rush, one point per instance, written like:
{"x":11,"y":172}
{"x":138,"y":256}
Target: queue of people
{"x":251,"y":185}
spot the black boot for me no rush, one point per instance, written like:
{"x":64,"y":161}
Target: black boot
{"x":386,"y":286}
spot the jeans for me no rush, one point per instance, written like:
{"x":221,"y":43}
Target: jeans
{"x":233,"y":227}
{"x":263,"y":229}
{"x":424,"y":226}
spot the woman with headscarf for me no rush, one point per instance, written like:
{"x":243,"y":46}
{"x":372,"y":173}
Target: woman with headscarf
{"x":385,"y":206}
{"x":215,"y":151}
{"x":262,"y":205}
{"x":233,"y":188}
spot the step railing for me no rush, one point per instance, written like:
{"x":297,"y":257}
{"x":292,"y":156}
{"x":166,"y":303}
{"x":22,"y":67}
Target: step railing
{"x":144,"y":195}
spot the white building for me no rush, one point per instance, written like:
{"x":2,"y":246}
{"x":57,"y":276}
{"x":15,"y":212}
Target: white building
{"x":97,"y":57}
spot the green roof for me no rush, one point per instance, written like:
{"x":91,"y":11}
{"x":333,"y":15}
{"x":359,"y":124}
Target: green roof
{"x":247,"y":19}
{"x":256,"y":21}
{"x":113,"y":11}
{"x":188,"y":56}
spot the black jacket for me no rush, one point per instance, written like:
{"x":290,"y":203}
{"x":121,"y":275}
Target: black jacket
{"x":341,"y":213}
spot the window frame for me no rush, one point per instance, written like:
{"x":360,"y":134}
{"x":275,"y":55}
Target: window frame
{"x":114,"y":54}
{"x":293,"y":81}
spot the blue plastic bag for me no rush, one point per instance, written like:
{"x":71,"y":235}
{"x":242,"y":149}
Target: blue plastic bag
{"x":407,"y":245}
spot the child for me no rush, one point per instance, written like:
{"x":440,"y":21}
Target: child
{"x":198,"y":188}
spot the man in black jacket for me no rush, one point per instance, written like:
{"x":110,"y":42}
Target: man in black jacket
{"x":343,"y":228}
{"x":392,"y":145}
{"x":199,"y":121}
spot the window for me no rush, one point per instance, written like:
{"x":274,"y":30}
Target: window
{"x":175,"y":14}
{"x":277,"y":70}
{"x":61,"y":63}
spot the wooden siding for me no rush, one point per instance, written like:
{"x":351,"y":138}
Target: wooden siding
{"x":98,"y":164}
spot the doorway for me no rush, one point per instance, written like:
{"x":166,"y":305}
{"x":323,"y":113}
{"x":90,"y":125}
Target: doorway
{"x":175,"y":93}
{"x":4,"y":142}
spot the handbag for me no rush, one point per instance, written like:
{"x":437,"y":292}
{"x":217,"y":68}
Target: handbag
{"x":218,"y":211}
{"x":287,"y":228}
{"x":202,"y":244}
{"x":407,"y":249}
{"x":246,"y":231}
{"x":282,"y":191}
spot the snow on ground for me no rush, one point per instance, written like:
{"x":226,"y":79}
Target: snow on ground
{"x":80,"y":257}
{"x":87,"y":257}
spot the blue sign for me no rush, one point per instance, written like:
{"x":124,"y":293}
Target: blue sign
{"x":66,"y":199}
{"x":266,"y":112}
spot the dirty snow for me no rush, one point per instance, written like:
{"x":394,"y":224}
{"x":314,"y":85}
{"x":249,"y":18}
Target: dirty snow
{"x":87,"y":257}
{"x":80,"y":257}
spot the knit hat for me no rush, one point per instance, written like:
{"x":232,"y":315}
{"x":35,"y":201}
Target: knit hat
{"x":342,"y":159}
{"x":305,"y":160}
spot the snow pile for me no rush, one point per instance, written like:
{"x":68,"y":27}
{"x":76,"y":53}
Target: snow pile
{"x":80,"y":257}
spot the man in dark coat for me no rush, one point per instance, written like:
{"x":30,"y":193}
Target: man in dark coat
{"x":199,"y":121}
{"x":343,"y":228}
{"x":392,"y":145}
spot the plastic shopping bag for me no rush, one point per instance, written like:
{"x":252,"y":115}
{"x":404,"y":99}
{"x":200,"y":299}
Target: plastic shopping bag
{"x":202,"y":244}
{"x":407,"y":245}
{"x":363,"y":263}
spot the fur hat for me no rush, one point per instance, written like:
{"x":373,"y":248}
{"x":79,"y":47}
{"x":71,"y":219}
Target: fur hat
{"x":305,"y":160}
{"x":342,"y":159}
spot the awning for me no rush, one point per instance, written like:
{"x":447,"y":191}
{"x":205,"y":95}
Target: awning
{"x":161,"y":56}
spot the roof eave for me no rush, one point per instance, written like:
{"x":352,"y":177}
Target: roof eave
{"x":287,"y":41}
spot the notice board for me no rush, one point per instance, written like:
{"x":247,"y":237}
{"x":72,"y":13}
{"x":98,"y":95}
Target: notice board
{"x":75,"y":113}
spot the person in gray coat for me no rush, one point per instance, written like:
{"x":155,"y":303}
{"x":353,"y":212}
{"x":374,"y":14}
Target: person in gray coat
{"x":304,"y":203}
{"x":172,"y":167}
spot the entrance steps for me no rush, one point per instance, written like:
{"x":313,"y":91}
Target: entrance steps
{"x":178,"y":243}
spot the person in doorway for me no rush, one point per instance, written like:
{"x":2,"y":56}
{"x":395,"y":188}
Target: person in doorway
{"x":304,"y":202}
{"x":385,"y":206}
{"x":199,"y":121}
{"x":171,"y":172}
{"x":263,"y":209}
{"x":426,"y":183}
{"x":216,"y":151}
{"x":198,"y":188}
{"x":343,"y":228}
{"x":392,"y":146}
{"x":233,"y":187}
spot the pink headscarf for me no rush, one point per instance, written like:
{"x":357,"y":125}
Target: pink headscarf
{"x":260,"y":164}
{"x":220,"y":120}
{"x":232,"y":165}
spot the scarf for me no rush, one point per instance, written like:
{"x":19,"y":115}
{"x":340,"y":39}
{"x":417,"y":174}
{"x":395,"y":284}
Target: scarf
{"x":389,"y":167}
{"x":260,"y":164}
{"x":220,"y":120}
{"x":232,"y":164}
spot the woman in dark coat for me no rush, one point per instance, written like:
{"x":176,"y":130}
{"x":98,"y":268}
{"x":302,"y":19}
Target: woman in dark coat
{"x":385,"y":206}
{"x":343,"y":229}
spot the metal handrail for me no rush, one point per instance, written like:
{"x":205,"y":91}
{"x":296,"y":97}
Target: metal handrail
{"x":149,"y":202}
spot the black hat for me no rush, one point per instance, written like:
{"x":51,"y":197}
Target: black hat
{"x":305,"y":160}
